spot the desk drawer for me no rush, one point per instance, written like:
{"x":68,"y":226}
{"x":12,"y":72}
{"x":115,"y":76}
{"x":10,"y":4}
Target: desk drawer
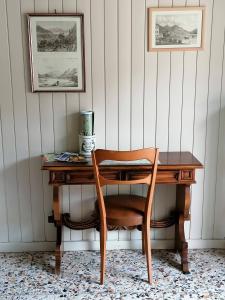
{"x":162,"y":176}
{"x":57,"y":177}
{"x":168,"y":176}
{"x":88,"y":177}
{"x":80,"y":178}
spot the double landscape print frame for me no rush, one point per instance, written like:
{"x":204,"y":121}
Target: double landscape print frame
{"x":56,"y":47}
{"x":176,"y":28}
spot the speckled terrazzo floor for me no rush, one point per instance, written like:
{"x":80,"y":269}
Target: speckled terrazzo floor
{"x":30,"y":276}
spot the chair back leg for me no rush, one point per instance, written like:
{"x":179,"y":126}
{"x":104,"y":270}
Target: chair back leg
{"x":147,"y":243}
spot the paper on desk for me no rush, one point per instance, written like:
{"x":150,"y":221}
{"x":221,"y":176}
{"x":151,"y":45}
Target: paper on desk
{"x":128,"y":162}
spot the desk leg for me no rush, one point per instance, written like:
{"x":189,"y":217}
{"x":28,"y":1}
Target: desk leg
{"x":183,"y":201}
{"x":58,"y":224}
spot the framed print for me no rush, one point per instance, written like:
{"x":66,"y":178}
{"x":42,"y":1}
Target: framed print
{"x":175,"y":28}
{"x":56,"y":45}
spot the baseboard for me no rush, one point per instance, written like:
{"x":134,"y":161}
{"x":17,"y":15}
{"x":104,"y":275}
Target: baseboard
{"x":203,"y":244}
{"x":25,"y":246}
{"x":111,"y":245}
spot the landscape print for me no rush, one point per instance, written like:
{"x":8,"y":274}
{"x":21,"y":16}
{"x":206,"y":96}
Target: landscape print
{"x":176,"y":29}
{"x":56,"y":75}
{"x":56,"y":36}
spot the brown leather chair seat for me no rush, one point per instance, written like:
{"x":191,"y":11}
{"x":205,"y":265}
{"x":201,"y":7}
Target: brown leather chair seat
{"x":124,"y":210}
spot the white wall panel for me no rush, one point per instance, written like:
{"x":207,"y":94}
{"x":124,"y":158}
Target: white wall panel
{"x":34,"y":136}
{"x":125,"y":77}
{"x":137,"y":83}
{"x":8,"y":132}
{"x":3,"y":212}
{"x":150,"y":96}
{"x":111,"y":85}
{"x":163,"y":193}
{"x":218,"y":229}
{"x":72,"y":130}
{"x":150,"y":88}
{"x":86,"y":103}
{"x":111,"y":73}
{"x":174,"y":100}
{"x":20,"y":117}
{"x":47,"y":138}
{"x":212,"y":136}
{"x":202,"y":78}
{"x":124,"y":40}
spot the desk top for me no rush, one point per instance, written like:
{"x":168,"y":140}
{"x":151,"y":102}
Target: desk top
{"x":167,"y":160}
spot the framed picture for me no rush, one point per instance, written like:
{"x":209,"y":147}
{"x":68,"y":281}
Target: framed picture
{"x":175,"y":28}
{"x":56,"y":45}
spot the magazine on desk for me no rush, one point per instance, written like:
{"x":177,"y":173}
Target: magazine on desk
{"x":70,"y":157}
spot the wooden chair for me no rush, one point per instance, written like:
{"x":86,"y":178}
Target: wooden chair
{"x":125,"y":210}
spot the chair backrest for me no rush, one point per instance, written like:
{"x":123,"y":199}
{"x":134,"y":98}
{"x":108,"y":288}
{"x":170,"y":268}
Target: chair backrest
{"x":100,"y":155}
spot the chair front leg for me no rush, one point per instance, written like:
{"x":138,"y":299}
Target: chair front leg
{"x":103,"y":235}
{"x":143,"y":239}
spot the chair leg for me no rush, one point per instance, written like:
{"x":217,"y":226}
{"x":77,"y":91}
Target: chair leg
{"x":103,"y":232}
{"x":143,"y":240}
{"x":148,"y":252}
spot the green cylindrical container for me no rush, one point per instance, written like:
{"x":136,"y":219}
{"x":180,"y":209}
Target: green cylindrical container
{"x":87,"y":123}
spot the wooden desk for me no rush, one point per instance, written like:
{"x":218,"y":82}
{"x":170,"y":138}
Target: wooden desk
{"x":175,"y":168}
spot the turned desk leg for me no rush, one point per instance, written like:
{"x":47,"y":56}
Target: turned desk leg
{"x":183,"y":201}
{"x":58,"y":224}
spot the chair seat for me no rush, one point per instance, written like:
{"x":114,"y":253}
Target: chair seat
{"x":124,"y":210}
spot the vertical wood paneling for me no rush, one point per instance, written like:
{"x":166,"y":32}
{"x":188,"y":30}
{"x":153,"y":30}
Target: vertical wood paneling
{"x":20,"y":117}
{"x":150,"y":96}
{"x":137,"y":84}
{"x":188,"y":101}
{"x":8,"y":133}
{"x":176,"y":85}
{"x":150,"y":88}
{"x":175,"y":108}
{"x":86,"y":98}
{"x":218,"y":230}
{"x":98,"y":68}
{"x":124,"y":73}
{"x":86,"y":103}
{"x":47,"y":139}
{"x":200,"y":124}
{"x":190,"y":69}
{"x":75,"y":209}
{"x":59,"y":114}
{"x":59,"y":105}
{"x":125,"y":55}
{"x":34,"y":135}
{"x":111,"y":85}
{"x":163,"y":195}
{"x":174,"y":100}
{"x":72,"y":127}
{"x":213,"y":119}
{"x":87,"y":194}
{"x":3,"y":211}
{"x":111,"y":73}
